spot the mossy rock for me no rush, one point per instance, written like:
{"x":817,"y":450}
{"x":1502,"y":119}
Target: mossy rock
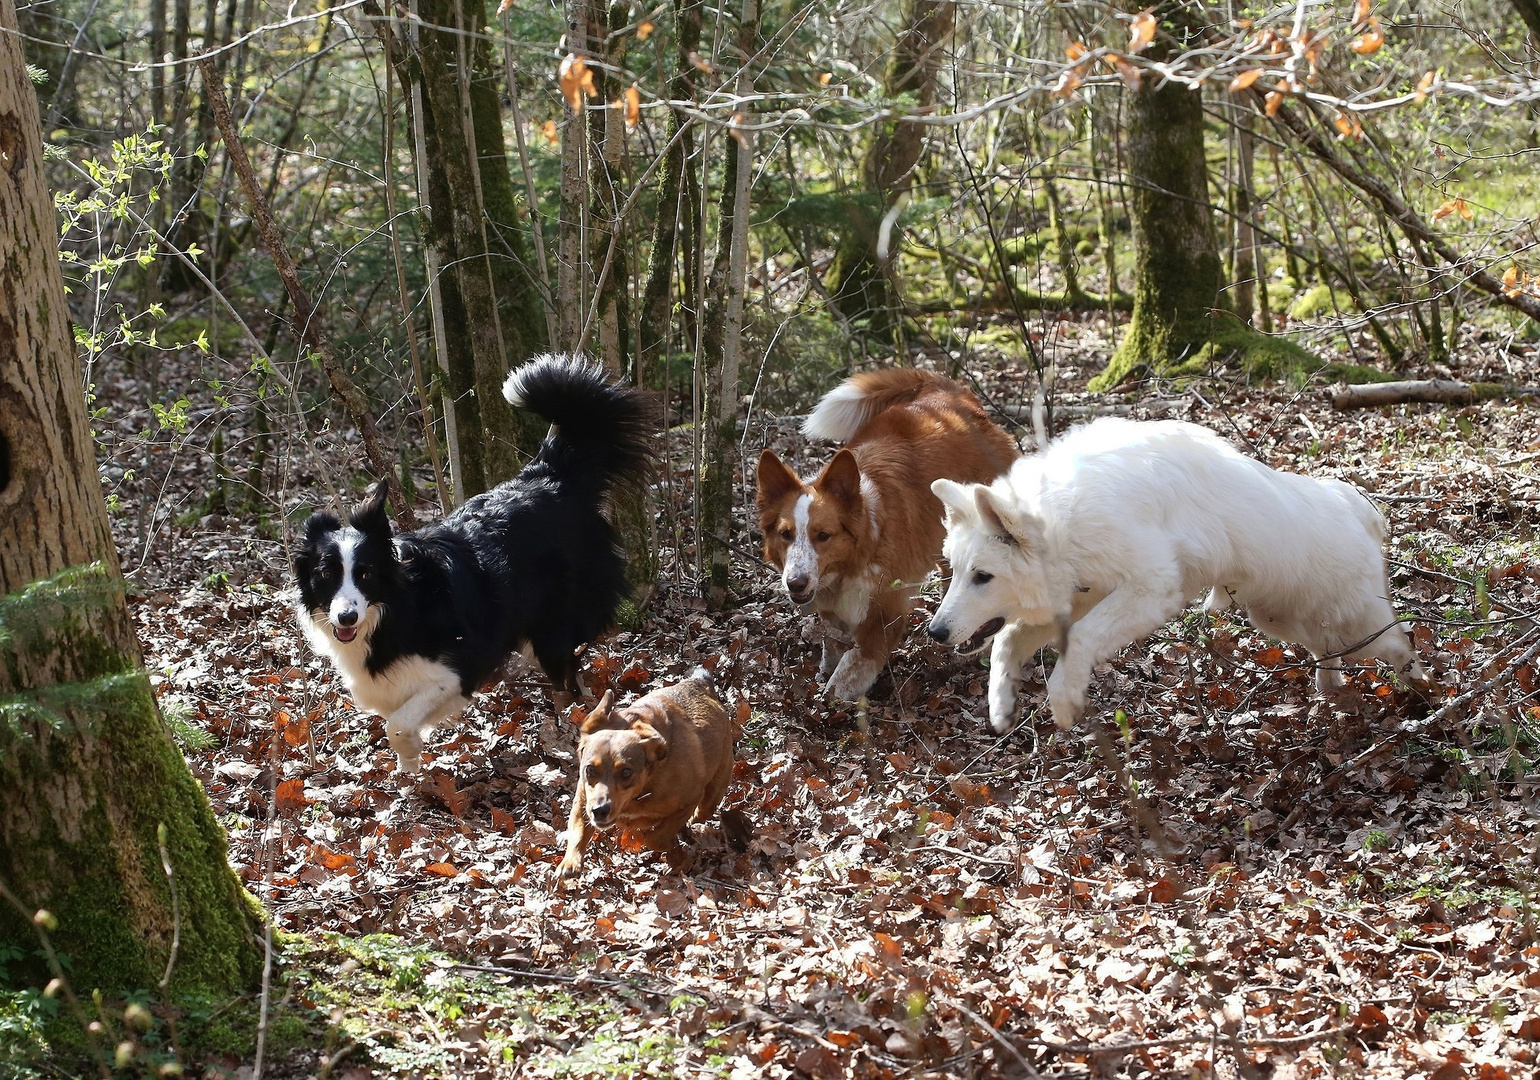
{"x":1315,"y":303}
{"x":1261,"y":356}
{"x":1085,"y":249}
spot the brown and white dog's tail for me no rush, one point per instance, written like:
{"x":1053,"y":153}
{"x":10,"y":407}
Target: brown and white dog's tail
{"x":846,"y":409}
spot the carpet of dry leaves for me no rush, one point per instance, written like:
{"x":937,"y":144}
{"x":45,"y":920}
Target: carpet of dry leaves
{"x":1217,"y":874}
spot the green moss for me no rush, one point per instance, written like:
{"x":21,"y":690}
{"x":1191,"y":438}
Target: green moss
{"x":1316,"y":302}
{"x":88,"y":778}
{"x":1261,"y":356}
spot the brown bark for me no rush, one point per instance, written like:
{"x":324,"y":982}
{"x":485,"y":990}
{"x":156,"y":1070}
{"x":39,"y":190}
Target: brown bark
{"x":307,"y":322}
{"x":1425,"y":391}
{"x":89,"y":779}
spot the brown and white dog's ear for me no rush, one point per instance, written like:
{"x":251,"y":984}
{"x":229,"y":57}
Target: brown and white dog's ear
{"x":600,"y":717}
{"x":1018,"y":529}
{"x":841,"y":479}
{"x":773,"y":481}
{"x":654,"y":745}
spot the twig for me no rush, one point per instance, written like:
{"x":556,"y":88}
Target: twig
{"x":1231,"y":1041}
{"x":994,"y":1033}
{"x":306,"y":324}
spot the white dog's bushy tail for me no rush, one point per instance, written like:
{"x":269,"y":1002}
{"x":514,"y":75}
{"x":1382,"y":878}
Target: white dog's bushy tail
{"x":850,"y":405}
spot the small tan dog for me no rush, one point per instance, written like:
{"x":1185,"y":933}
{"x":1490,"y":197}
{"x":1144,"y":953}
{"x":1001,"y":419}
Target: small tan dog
{"x":652,"y":767}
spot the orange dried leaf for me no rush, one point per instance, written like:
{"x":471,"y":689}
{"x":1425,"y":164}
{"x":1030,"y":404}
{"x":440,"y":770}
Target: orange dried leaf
{"x":291,"y":795}
{"x":1452,"y":206}
{"x":1076,"y":50}
{"x":1270,"y":657}
{"x":826,"y":78}
{"x":644,"y":30}
{"x":442,"y":869}
{"x":296,"y":732}
{"x":1141,"y":32}
{"x":1513,"y":281}
{"x":333,"y":860}
{"x":1464,"y":208}
{"x":1369,"y":42}
{"x":576,"y":79}
{"x":1425,"y":86}
{"x":699,"y":62}
{"x":1130,"y":74}
{"x":1068,"y":83}
{"x":735,"y":128}
{"x":1347,"y":126}
{"x":1245,"y":80}
{"x":503,"y":822}
{"x":1273,"y":102}
{"x":504,"y":6}
{"x":633,"y":106}
{"x":548,"y":131}
{"x":1361,"y":11}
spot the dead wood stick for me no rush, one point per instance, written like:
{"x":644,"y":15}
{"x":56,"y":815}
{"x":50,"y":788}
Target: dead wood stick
{"x":1079,"y":412}
{"x":1432,"y":391}
{"x":307,"y":326}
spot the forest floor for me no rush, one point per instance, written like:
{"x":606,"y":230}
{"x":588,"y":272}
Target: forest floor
{"x":1332,"y":889}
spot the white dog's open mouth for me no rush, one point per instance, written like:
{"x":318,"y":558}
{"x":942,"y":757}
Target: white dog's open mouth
{"x":981,"y":636}
{"x":345,"y":633}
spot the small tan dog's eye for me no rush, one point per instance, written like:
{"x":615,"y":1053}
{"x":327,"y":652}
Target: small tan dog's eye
{"x":624,"y":774}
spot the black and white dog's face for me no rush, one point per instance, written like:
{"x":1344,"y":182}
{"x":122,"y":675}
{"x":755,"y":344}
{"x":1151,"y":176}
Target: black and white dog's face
{"x":346,"y":572}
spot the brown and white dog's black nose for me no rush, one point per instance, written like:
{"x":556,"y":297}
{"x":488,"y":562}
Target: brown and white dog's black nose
{"x":939,"y":631}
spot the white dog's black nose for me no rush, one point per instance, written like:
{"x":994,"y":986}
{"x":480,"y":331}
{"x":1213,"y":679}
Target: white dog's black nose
{"x":347,"y":618}
{"x":939,"y":632}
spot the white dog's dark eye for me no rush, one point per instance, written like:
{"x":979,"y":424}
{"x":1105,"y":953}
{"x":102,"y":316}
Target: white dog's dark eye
{"x":982,"y":578}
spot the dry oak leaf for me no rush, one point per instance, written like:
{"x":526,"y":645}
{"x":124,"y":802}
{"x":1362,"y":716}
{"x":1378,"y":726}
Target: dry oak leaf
{"x":1347,"y":126}
{"x":576,"y":78}
{"x":1141,"y":31}
{"x":1273,"y":102}
{"x":1513,"y":282}
{"x":291,"y":795}
{"x":1244,"y":80}
{"x":1360,"y":11}
{"x":1425,"y":86}
{"x":1368,"y":43}
{"x":825,"y":78}
{"x":548,"y":131}
{"x":631,"y":103}
{"x":1452,"y":206}
{"x":644,"y":30}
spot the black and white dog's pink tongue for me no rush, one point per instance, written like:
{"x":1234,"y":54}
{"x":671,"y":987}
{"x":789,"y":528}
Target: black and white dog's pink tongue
{"x":345,"y":633}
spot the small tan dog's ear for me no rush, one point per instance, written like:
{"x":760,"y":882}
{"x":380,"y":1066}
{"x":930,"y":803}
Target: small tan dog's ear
{"x":654,"y":745}
{"x":599,"y":718}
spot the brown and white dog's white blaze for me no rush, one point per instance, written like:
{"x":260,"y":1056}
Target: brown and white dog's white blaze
{"x":857,"y":542}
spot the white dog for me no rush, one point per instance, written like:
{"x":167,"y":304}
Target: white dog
{"x":1116,"y":526}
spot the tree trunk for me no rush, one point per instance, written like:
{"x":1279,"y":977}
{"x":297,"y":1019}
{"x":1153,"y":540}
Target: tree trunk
{"x":573,"y":272}
{"x":606,"y":153}
{"x":1182,"y":317}
{"x":723,"y":341}
{"x":674,"y":214}
{"x":88,"y":773}
{"x":858,"y":281}
{"x":1529,"y":11}
{"x":492,"y":310}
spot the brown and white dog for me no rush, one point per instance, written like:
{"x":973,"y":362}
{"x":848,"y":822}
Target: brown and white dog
{"x":857,"y":542}
{"x":652,"y":767}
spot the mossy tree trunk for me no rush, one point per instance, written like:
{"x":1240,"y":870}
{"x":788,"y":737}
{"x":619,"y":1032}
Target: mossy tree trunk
{"x":674,"y":229}
{"x":722,"y":340}
{"x":858,"y":280}
{"x":494,"y":319}
{"x":1178,"y":275}
{"x":88,"y":773}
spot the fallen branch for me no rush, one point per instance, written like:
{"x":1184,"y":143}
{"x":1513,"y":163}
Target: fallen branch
{"x":1431,"y":391}
{"x":307,"y":326}
{"x":1080,"y":412}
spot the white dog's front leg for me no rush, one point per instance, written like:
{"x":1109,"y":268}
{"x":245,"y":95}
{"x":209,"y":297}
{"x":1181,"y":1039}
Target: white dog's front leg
{"x":1127,"y":614}
{"x":429,"y":706}
{"x":1013,"y":647}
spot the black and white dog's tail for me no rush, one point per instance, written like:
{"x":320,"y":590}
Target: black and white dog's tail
{"x":603,"y":432}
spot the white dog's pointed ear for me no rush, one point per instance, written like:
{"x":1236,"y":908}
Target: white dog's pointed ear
{"x":953,"y":496}
{"x":1020,"y":530}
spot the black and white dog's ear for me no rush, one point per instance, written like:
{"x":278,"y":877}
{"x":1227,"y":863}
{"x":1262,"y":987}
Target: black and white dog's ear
{"x":308,"y":552}
{"x":369,"y":516}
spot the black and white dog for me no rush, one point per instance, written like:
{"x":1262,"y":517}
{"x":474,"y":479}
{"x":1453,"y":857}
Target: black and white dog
{"x":415,"y":622}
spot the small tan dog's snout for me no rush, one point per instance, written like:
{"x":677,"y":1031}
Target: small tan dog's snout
{"x":652,"y":767}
